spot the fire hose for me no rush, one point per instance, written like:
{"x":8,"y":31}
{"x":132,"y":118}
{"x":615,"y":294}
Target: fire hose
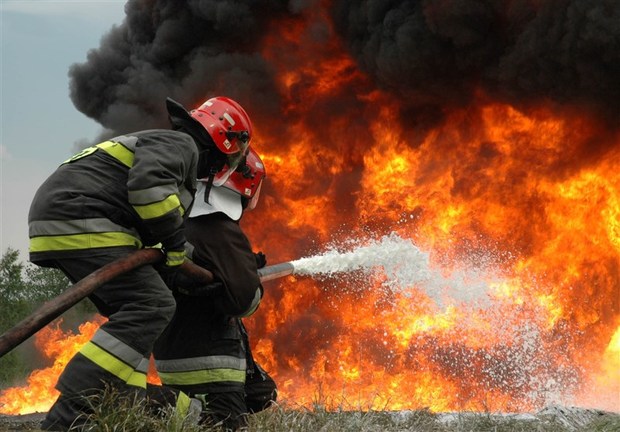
{"x":53,"y":308}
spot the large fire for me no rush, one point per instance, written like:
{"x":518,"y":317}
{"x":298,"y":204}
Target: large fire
{"x":523,"y":195}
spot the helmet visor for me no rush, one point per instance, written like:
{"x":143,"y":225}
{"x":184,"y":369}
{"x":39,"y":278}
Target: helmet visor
{"x":232,"y":163}
{"x":254,"y":200}
{"x":223,"y":175}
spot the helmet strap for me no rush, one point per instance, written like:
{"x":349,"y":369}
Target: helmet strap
{"x":209,"y":185}
{"x":210,"y":161}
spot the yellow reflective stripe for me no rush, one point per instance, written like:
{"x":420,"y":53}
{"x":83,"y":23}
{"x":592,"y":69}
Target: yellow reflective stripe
{"x":83,"y":241}
{"x":81,"y":154}
{"x":137,"y":379}
{"x":174,"y":258}
{"x":202,"y":376}
{"x":118,"y":152}
{"x":108,"y":362}
{"x":160,"y":208}
{"x":151,"y":194}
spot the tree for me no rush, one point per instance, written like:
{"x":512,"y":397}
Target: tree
{"x":23,"y":288}
{"x":12,"y":287}
{"x":14,"y":307}
{"x":44,"y":283}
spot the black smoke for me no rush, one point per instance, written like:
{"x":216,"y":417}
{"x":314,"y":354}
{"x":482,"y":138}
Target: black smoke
{"x":438,"y":53}
{"x":432,"y":55}
{"x":186,"y":50}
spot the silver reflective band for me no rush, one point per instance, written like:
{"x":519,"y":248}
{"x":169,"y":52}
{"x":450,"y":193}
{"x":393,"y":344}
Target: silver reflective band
{"x":201,"y":363}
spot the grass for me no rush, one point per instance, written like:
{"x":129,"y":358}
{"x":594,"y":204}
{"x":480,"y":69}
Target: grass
{"x":112,"y":413}
{"x":280,"y":419}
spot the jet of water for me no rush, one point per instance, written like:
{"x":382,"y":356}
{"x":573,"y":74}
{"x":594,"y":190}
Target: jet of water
{"x":403,"y":262}
{"x":404,"y":266}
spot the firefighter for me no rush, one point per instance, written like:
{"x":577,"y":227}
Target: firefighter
{"x":205,"y":351}
{"x":111,"y":199}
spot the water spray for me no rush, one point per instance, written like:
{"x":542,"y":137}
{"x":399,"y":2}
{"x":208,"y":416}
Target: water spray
{"x":403,"y":263}
{"x":400,"y":264}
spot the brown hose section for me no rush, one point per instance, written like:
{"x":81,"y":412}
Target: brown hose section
{"x":53,"y":308}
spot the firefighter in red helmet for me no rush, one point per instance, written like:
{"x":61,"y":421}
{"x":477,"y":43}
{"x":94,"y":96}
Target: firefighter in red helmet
{"x":227,"y":125}
{"x":118,"y":196}
{"x":205,"y":351}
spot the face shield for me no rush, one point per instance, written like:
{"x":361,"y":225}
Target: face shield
{"x":242,"y":142}
{"x":254,"y":200}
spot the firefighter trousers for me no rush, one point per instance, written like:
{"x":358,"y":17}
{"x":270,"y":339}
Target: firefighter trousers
{"x":138,"y":305}
{"x":207,"y":356}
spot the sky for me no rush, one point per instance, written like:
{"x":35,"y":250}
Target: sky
{"x":39,"y":125}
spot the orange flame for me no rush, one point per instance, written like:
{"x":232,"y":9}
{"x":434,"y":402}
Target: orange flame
{"x":513,"y":193}
{"x":57,"y":346}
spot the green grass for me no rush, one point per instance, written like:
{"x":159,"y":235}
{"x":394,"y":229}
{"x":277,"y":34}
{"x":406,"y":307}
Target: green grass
{"x":112,"y":413}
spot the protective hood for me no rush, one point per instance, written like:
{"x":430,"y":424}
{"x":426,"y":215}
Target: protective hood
{"x":221,"y":200}
{"x":180,"y":118}
{"x":177,"y":114}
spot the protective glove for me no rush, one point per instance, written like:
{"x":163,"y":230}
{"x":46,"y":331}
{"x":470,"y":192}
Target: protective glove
{"x":168,"y":275}
{"x":214,"y":288}
{"x":168,"y":270}
{"x":261,"y":260}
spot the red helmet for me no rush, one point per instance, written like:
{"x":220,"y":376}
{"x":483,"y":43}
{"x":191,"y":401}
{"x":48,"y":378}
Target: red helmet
{"x":226,"y":122}
{"x":248,"y":178}
{"x":230,"y":128}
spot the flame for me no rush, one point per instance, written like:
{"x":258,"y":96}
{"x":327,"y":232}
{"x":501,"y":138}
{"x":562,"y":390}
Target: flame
{"x":544,"y":236}
{"x":57,"y":346}
{"x":525,"y":197}
{"x":521,"y":195}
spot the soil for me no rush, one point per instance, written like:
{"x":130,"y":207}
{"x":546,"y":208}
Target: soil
{"x":26,"y":422}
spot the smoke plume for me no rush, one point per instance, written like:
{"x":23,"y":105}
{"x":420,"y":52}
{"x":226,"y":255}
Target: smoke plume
{"x":432,"y":55}
{"x":441,"y":52}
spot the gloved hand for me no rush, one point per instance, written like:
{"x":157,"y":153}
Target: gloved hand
{"x":168,"y":275}
{"x":261,"y":260}
{"x":168,"y":269}
{"x":214,"y":288}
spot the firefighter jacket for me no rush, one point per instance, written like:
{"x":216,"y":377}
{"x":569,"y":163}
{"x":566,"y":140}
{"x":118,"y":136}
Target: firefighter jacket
{"x":202,"y":349}
{"x":131,"y":191}
{"x":221,"y":246}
